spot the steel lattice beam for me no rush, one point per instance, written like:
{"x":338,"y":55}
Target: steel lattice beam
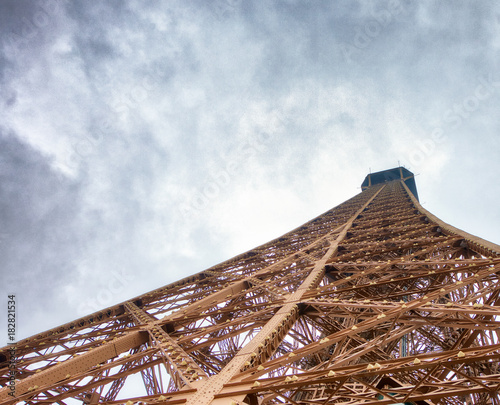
{"x":376,"y":301}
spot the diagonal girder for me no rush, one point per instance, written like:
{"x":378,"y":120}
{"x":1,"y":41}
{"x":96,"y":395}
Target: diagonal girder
{"x":265,"y":342}
{"x":180,"y":363}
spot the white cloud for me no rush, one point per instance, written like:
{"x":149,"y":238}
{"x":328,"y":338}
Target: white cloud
{"x":248,"y":114}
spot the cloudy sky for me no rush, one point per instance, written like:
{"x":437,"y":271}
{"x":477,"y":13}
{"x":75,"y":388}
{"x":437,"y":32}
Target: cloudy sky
{"x":141,"y":142}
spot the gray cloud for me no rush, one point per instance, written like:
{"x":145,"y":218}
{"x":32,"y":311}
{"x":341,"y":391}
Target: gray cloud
{"x":152,"y":140}
{"x":40,"y":245}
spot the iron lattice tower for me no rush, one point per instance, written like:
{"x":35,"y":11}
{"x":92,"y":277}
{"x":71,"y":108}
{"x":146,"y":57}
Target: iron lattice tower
{"x":376,"y":301}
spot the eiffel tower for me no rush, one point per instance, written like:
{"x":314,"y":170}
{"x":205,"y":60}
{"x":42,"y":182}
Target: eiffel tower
{"x":376,"y":301}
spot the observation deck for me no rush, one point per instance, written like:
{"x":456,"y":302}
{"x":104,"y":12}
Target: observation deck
{"x":398,"y":173}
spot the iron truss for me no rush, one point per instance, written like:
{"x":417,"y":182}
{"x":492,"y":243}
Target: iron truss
{"x":376,"y":301}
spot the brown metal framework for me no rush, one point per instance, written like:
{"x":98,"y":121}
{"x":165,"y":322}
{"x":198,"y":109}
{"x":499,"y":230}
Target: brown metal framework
{"x":376,"y":301}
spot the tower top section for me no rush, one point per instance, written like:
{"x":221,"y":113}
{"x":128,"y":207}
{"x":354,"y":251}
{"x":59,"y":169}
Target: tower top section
{"x":398,"y":173}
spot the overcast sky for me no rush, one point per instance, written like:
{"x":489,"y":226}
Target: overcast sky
{"x":141,"y":142}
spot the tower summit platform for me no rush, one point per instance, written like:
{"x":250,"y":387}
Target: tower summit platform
{"x":398,"y":173}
